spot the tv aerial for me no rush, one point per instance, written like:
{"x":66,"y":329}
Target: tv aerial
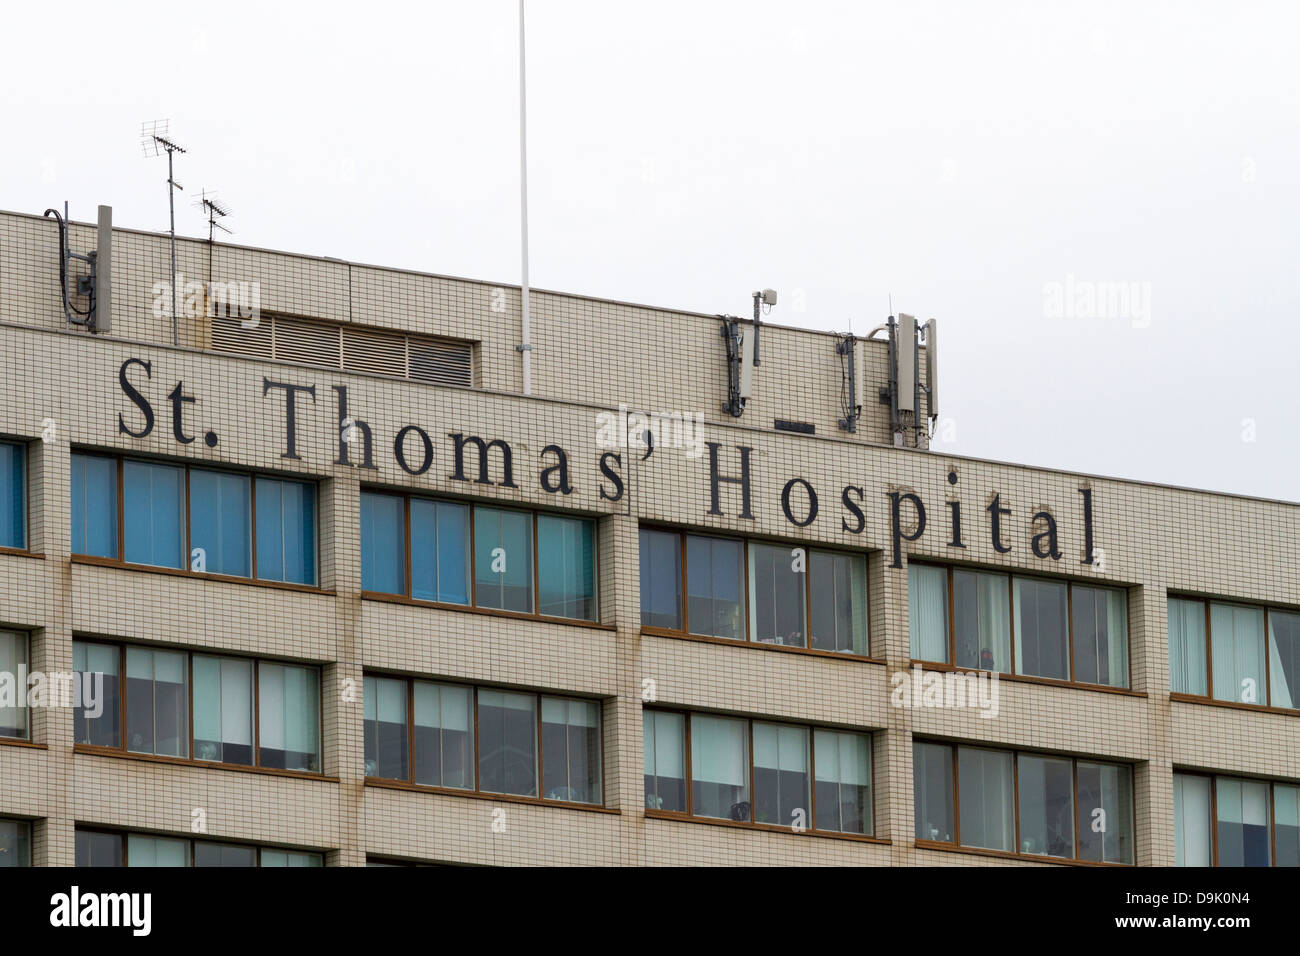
{"x":155,"y":139}
{"x":214,"y":209}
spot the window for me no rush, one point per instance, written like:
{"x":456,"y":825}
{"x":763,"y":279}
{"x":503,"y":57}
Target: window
{"x":286,"y":530}
{"x":1010,"y":624}
{"x":94,"y":506}
{"x":661,"y":579}
{"x":503,"y":559}
{"x":288,"y":717}
{"x":157,"y":699}
{"x":100,"y":723}
{"x":757,"y":772}
{"x":777,"y":599}
{"x":1187,"y":670}
{"x":1193,"y":841}
{"x":1041,"y":633}
{"x":1234,"y":653}
{"x":987,"y":801}
{"x":781,"y":778}
{"x":495,"y":571}
{"x":570,"y":750}
{"x":1046,"y":806}
{"x":714,"y":587}
{"x":199,"y":519}
{"x":1233,"y":821}
{"x":1105,"y":805}
{"x":843,"y":795}
{"x":220,"y":525}
{"x":440,"y":560}
{"x":96,"y":848}
{"x":152,"y":513}
{"x":15,"y":843}
{"x":507,"y":742}
{"x":566,"y":574}
{"x":157,"y":702}
{"x":665,"y":760}
{"x":223,"y":709}
{"x":1023,"y":803}
{"x":796,"y":597}
{"x":423,"y":732}
{"x":13,"y":495}
{"x":14,"y":662}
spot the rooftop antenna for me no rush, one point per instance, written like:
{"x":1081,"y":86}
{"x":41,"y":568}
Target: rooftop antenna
{"x":214,"y":209}
{"x":156,"y":140}
{"x":526,"y":347}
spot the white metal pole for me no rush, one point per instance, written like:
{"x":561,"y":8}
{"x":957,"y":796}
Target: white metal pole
{"x":526,"y":348}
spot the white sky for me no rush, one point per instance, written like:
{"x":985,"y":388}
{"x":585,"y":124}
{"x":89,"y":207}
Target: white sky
{"x":961,"y":157}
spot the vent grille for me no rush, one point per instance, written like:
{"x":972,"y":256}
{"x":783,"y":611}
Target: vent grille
{"x":421,"y":358}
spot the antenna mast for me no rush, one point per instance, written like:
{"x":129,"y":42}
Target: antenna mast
{"x":527,"y":347}
{"x":156,"y":140}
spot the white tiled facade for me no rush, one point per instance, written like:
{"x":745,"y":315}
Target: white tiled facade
{"x":589,"y":357}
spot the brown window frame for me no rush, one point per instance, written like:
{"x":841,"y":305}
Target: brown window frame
{"x":256,"y":766}
{"x":538,"y":696}
{"x":191,"y":842}
{"x":751,"y":824}
{"x":1011,"y":576}
{"x":1208,"y":697}
{"x":405,"y":597}
{"x":1214,"y":809}
{"x":956,"y":844}
{"x":119,"y":560}
{"x":685,"y":633}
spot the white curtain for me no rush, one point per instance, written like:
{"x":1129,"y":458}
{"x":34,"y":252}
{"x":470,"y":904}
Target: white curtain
{"x":1237,"y":653}
{"x":288,"y":718}
{"x":777,"y":747}
{"x":1283,"y":632}
{"x":1116,"y":636}
{"x":443,"y":706}
{"x":1191,"y":820}
{"x":1186,"y":647}
{"x":156,"y":851}
{"x":928,"y":612}
{"x":719,"y":751}
{"x":987,"y":803}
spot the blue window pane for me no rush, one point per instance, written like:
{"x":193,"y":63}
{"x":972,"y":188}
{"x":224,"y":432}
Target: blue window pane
{"x":153,"y":500}
{"x":383,"y":544}
{"x":13,"y":496}
{"x":503,"y":559}
{"x":219,"y":522}
{"x":439,"y":551}
{"x":286,"y":531}
{"x":94,"y":506}
{"x":566,"y":567}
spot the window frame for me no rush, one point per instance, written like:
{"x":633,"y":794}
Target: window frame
{"x":811,"y":828}
{"x":23,"y":447}
{"x":256,"y":767}
{"x":1214,"y":779}
{"x":1207,"y":604}
{"x":26,"y":738}
{"x":1011,"y":576}
{"x":30,"y":833}
{"x":191,"y":843}
{"x":477,"y":791}
{"x":473,"y":607}
{"x":955,"y":843}
{"x":684,"y":633}
{"x":119,"y":560}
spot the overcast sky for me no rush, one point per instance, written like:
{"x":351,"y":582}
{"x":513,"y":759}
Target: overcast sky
{"x":1009,"y":169}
